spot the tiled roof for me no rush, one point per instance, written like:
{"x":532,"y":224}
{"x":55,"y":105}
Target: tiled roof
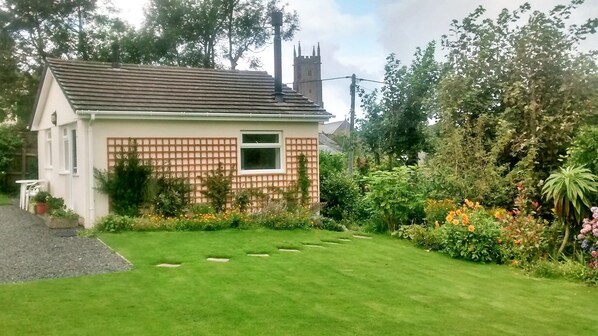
{"x":95,"y":86}
{"x":333,"y":127}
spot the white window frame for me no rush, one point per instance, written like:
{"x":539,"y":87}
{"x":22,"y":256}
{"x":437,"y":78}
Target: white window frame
{"x":262,"y":145}
{"x":65,"y":149}
{"x":68,"y":146}
{"x":48,"y":146}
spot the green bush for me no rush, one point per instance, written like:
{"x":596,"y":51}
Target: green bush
{"x":10,"y":146}
{"x":115,"y":223}
{"x":331,"y":164}
{"x":567,"y":269}
{"x":329,"y":224}
{"x":436,"y":210}
{"x":126,"y":184}
{"x":395,"y":198}
{"x":340,"y":197}
{"x":477,"y":239}
{"x":172,"y":196}
{"x":217,"y":187}
{"x":584,"y":150}
{"x":420,"y":235}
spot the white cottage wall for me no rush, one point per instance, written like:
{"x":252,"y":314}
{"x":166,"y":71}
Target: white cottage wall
{"x":104,"y":129}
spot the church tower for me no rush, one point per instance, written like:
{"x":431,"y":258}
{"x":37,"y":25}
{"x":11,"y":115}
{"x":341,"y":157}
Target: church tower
{"x":308,"y":74}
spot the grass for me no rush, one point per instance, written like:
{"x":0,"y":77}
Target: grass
{"x":362,"y":287}
{"x":4,"y":199}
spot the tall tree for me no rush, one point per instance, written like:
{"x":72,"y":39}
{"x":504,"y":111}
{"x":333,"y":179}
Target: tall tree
{"x":194,"y":32}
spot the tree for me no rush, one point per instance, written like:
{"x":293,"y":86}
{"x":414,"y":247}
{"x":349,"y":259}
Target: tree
{"x":527,"y":79}
{"x":397,"y":123}
{"x":192,"y":32}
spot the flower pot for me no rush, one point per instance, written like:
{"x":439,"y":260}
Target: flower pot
{"x":41,"y":208}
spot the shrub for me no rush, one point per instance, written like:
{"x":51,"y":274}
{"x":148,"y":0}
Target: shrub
{"x":474,"y":236}
{"x":202,"y":209}
{"x":10,"y":145}
{"x":420,"y":235}
{"x":172,"y":196}
{"x":584,"y":148}
{"x":329,"y":224}
{"x":567,"y":269}
{"x":274,"y":216}
{"x":340,"y":197}
{"x":331,"y":164}
{"x":115,"y":223}
{"x":218,"y":186}
{"x":54,"y":203}
{"x":41,"y":197}
{"x":126,"y":184}
{"x":394,"y":198}
{"x":525,"y":237}
{"x":436,"y":210}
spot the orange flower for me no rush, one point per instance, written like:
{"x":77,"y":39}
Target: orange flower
{"x":497,"y":215}
{"x":514,"y":262}
{"x":465,"y":219}
{"x":449,"y":217}
{"x":456,"y":222}
{"x":499,"y":240}
{"x":471,"y":228}
{"x":458,"y":212}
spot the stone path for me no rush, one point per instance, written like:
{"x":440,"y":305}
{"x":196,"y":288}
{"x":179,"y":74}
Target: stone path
{"x":29,"y":250}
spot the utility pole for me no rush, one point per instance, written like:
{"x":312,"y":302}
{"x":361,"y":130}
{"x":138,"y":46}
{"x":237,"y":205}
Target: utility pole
{"x":352,"y":124}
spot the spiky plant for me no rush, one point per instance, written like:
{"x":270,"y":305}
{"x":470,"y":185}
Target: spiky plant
{"x":570,"y":189}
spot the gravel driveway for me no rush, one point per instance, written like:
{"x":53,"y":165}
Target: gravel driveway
{"x":29,"y":250}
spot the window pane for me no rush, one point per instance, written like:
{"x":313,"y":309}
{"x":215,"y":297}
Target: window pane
{"x":260,"y":138}
{"x":74,"y":147}
{"x":260,"y":158}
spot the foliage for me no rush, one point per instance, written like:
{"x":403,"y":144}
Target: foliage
{"x":63,"y":213}
{"x":421,"y":235}
{"x":126,"y":183}
{"x":399,"y":119}
{"x":527,"y":81}
{"x":114,"y":223}
{"x":324,"y":223}
{"x":340,"y":196}
{"x":472,"y":234}
{"x":589,"y":238}
{"x":303,"y":181}
{"x":283,"y":220}
{"x":526,"y":236}
{"x":41,"y":197}
{"x":436,"y":210}
{"x":584,"y":149}
{"x":217,"y":186}
{"x":331,"y":164}
{"x":191,"y":33}
{"x":171,"y":196}
{"x":394,"y":198}
{"x":202,"y":209}
{"x":569,"y":189}
{"x":55,"y":203}
{"x":568,"y":269}
{"x":10,"y":146}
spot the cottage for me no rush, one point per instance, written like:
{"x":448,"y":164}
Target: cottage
{"x":187,"y":119}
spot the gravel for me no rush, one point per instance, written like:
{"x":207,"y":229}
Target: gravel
{"x":29,"y":250}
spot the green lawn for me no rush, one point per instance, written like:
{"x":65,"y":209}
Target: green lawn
{"x":380,"y":286}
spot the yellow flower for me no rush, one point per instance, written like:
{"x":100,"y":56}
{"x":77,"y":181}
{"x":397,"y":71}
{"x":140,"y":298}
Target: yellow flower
{"x":514,"y":262}
{"x":456,"y":222}
{"x":465,"y":219}
{"x":436,"y":224}
{"x":471,"y":228}
{"x":497,"y":215}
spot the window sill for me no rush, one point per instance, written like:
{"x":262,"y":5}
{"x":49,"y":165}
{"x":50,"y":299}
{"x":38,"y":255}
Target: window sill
{"x":64,"y":172}
{"x":262,"y":172}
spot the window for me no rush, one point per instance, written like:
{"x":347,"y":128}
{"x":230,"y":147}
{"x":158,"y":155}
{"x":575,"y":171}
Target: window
{"x":260,"y":151}
{"x":69,"y":150}
{"x":74,"y":151}
{"x":49,"y":148}
{"x":65,"y":149}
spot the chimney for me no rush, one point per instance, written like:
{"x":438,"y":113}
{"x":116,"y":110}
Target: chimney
{"x":277,"y":23}
{"x":115,"y":55}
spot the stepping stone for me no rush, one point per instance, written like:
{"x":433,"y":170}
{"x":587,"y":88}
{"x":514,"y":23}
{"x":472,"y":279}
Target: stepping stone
{"x":344,"y":239}
{"x":288,"y":250}
{"x":314,"y":245}
{"x":220,"y":260}
{"x":258,"y":254}
{"x":165,"y":265}
{"x":362,"y":237}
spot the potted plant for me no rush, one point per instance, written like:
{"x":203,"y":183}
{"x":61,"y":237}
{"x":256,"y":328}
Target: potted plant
{"x":41,"y":202}
{"x":62,"y":219}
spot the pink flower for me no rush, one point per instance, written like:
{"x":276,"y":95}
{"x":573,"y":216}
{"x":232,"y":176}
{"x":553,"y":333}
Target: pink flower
{"x":581,"y":237}
{"x":595,"y":254}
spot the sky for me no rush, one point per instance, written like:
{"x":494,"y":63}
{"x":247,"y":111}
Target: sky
{"x":356,"y":36}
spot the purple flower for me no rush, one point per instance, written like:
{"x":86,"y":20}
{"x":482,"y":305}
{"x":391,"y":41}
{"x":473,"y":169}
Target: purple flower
{"x":585,"y":244}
